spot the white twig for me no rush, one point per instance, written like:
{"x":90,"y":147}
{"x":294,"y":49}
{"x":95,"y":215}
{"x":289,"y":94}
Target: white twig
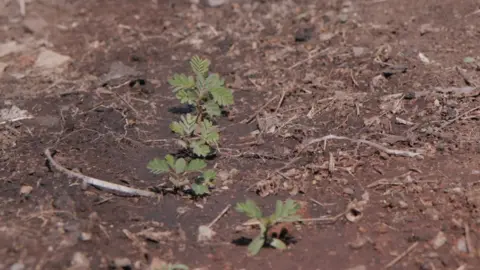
{"x":219,"y":216}
{"x":372,"y":144}
{"x":97,"y":182}
{"x":21,"y":3}
{"x":399,"y":257}
{"x":16,"y":119}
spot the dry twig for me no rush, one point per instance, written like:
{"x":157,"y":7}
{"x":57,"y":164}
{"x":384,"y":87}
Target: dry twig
{"x":375,"y":145}
{"x":219,"y":216}
{"x":97,"y":182}
{"x":399,"y":257}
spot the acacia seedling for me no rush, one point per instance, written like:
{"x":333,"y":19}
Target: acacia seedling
{"x":208,"y":95}
{"x":179,"y":171}
{"x":284,"y":212}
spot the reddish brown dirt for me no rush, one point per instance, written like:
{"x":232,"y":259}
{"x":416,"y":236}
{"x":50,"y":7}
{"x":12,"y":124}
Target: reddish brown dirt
{"x":339,"y":77}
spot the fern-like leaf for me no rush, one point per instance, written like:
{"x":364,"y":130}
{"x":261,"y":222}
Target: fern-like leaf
{"x":187,"y":96}
{"x":209,"y":133}
{"x":212,"y":108}
{"x":177,"y":128}
{"x":222,"y":96}
{"x":188,"y":123}
{"x":200,"y":148}
{"x":158,"y":166}
{"x":181,"y":82}
{"x":199,"y":66}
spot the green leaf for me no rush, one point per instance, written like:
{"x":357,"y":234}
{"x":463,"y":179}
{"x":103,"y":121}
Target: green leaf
{"x":200,"y":148}
{"x":200,"y":189}
{"x":209,"y":133}
{"x":250,"y":209}
{"x":188,"y":123}
{"x":286,"y":212}
{"x":278,"y":244}
{"x":181,"y":82}
{"x":196,"y":165}
{"x":255,"y":246}
{"x":199,"y":66}
{"x":212,"y":108}
{"x":170,"y":161}
{"x":222,"y":96}
{"x":177,"y":128}
{"x":187,"y":96}
{"x":200,"y":83}
{"x":209,"y":175}
{"x":158,"y":166}
{"x":213,"y":81}
{"x":180,"y":165}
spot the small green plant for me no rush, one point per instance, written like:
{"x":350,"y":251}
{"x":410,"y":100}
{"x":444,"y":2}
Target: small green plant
{"x":208,"y":95}
{"x":179,"y":171}
{"x":284,"y":212}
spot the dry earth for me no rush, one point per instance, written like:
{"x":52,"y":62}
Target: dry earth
{"x":88,"y":79}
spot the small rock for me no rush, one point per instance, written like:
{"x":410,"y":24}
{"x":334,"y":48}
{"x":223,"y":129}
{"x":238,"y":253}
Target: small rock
{"x":122,"y":263}
{"x":403,"y":204}
{"x":358,"y":51}
{"x":25,"y":190}
{"x":304,"y":34}
{"x":10,"y":47}
{"x":348,"y":191}
{"x":34,"y":25}
{"x":358,"y":267}
{"x":359,"y":242}
{"x":17,"y":266}
{"x":85,"y":236}
{"x":50,"y":60}
{"x":428,"y":28}
{"x":326,"y":36}
{"x":439,"y":240}
{"x":205,"y":233}
{"x":216,"y":3}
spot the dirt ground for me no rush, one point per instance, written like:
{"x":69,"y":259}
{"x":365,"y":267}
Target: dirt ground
{"x":394,"y":83}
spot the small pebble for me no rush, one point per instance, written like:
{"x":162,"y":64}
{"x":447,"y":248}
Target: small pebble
{"x":348,"y":191}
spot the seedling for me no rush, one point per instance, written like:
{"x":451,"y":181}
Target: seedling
{"x":179,"y":171}
{"x":208,"y":95}
{"x":284,"y":212}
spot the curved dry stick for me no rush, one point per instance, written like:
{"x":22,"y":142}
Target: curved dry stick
{"x":375,"y":145}
{"x":97,"y":182}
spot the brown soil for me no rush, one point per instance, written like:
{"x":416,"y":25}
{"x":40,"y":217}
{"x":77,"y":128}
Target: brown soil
{"x":373,"y":70}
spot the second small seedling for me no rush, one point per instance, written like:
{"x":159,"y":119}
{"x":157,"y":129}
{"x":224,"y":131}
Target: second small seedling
{"x":284,"y":212}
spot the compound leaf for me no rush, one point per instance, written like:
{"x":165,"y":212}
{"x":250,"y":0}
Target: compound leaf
{"x":181,"y":82}
{"x":188,"y":123}
{"x":177,"y":128}
{"x":158,"y":166}
{"x":213,"y":81}
{"x":221,"y":95}
{"x":209,"y":175}
{"x":200,"y":148}
{"x":250,"y":209}
{"x":209,"y":133}
{"x":199,"y":66}
{"x":186,"y":96}
{"x":180,"y":165}
{"x":200,"y":189}
{"x":255,"y":246}
{"x":170,"y":161}
{"x":287,"y":212}
{"x":196,"y":165}
{"x":212,"y":108}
